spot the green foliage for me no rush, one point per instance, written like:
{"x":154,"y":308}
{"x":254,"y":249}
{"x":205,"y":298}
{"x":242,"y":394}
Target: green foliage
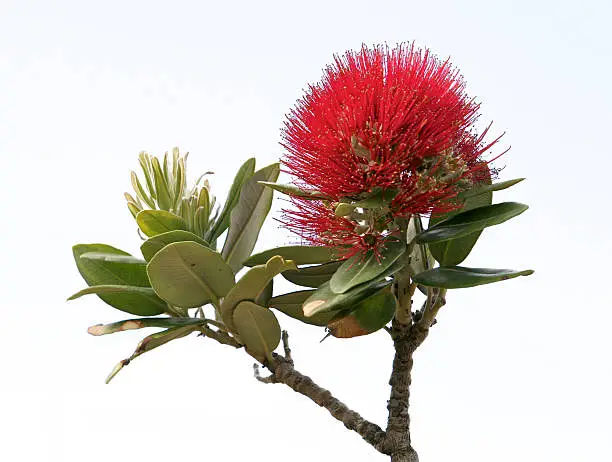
{"x":103,"y":265}
{"x":248,"y":217}
{"x":154,"y":222}
{"x":312,"y":276}
{"x":359,"y":268}
{"x":369,"y":315}
{"x":141,"y":323}
{"x":471,"y":221}
{"x":251,"y":286}
{"x":258,"y":329}
{"x":457,"y":277}
{"x":300,"y":254}
{"x":151,"y":342}
{"x":187,"y":274}
{"x":154,"y":244}
{"x":325,"y":300}
{"x":291,"y":305}
{"x":244,"y":173}
{"x":294,"y":191}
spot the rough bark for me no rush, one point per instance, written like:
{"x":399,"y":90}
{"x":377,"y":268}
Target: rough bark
{"x":284,"y":372}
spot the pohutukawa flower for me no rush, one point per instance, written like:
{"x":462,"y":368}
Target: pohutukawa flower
{"x":395,"y":124}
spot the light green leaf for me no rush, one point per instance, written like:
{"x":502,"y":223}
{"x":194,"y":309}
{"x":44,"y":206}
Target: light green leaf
{"x":300,"y":254}
{"x":151,"y":342}
{"x":291,"y":305}
{"x":154,"y":244}
{"x":473,"y":220}
{"x":292,"y":190}
{"x":154,"y":222}
{"x":248,"y":217}
{"x":244,"y":173}
{"x":370,"y":315}
{"x":141,"y":323}
{"x":164,"y":198}
{"x":187,"y":274}
{"x":251,"y":285}
{"x":121,"y":269}
{"x":359,"y":269}
{"x":312,"y":276}
{"x":457,"y":277}
{"x":258,"y":329}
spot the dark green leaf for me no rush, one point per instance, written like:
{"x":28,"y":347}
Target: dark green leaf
{"x":244,"y":173}
{"x":454,"y":251}
{"x":187,"y":274}
{"x":248,"y":216}
{"x":457,"y":277}
{"x":471,"y":221}
{"x":359,"y":269}
{"x":300,"y":254}
{"x":291,"y":305}
{"x":151,"y":342}
{"x":325,"y":300}
{"x":258,"y":329}
{"x":154,"y":222}
{"x":312,"y":276}
{"x":125,"y":270}
{"x":370,"y":315}
{"x":154,"y":244}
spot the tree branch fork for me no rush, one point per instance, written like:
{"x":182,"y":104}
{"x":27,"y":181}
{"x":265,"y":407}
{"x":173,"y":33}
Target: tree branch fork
{"x":395,"y":440}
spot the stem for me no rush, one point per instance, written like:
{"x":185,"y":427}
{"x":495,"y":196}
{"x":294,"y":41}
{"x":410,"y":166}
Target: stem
{"x":283,"y":372}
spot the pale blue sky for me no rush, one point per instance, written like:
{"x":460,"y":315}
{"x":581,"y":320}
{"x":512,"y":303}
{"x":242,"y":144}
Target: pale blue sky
{"x":515,"y":371}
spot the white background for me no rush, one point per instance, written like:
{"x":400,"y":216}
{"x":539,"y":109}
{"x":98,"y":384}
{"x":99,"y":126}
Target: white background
{"x":519,"y":370}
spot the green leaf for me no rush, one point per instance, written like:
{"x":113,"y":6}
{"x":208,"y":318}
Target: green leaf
{"x":490,"y":188}
{"x":154,"y":244}
{"x":325,"y":300}
{"x":258,"y":329}
{"x":114,"y":289}
{"x":187,"y":274}
{"x":141,"y":323}
{"x":248,"y":217}
{"x":251,"y":285}
{"x":370,"y":315}
{"x":454,"y":251}
{"x":264,"y":297}
{"x":291,"y":305}
{"x":154,"y":222}
{"x":312,"y":276}
{"x":244,"y":173}
{"x":359,"y":269}
{"x":473,"y":220}
{"x":379,"y":198}
{"x":292,"y":190}
{"x":151,"y":342}
{"x":125,"y":270}
{"x":457,"y":277}
{"x":300,"y":254}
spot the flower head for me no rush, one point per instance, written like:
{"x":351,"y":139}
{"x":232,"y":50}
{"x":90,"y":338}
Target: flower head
{"x":381,"y":120}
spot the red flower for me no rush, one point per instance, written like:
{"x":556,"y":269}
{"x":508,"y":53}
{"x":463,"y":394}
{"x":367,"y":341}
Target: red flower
{"x":381,"y":120}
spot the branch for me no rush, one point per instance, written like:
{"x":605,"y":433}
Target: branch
{"x":283,"y":372}
{"x":219,"y":336}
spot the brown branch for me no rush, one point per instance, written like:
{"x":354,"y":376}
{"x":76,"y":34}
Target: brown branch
{"x":282,"y":371}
